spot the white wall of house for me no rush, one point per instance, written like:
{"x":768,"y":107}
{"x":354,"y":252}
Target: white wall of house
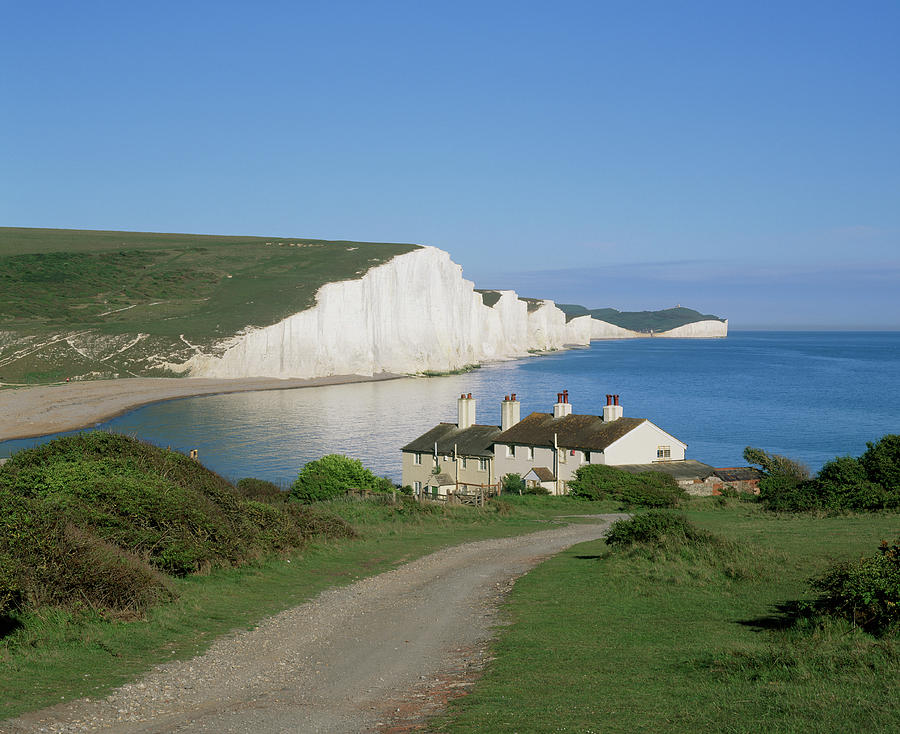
{"x":640,"y":446}
{"x":517,"y":460}
{"x":471,"y":470}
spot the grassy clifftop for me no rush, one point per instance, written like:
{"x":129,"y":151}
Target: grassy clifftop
{"x":73,"y":301}
{"x":644,"y":321}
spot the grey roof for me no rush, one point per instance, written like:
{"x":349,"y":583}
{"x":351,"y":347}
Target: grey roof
{"x":472,"y":441}
{"x":571,"y":431}
{"x":687,"y":469}
{"x":738,"y":473}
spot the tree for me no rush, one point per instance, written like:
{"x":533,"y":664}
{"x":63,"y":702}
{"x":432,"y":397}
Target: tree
{"x":512,"y":483}
{"x":331,"y":476}
{"x":881,"y":462}
{"x":776,"y":464}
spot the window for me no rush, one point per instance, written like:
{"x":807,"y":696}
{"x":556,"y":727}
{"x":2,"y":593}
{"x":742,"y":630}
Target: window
{"x":465,"y":462}
{"x":586,"y":457}
{"x":510,"y":452}
{"x":417,"y":458}
{"x":417,"y":487}
{"x":663,"y":453}
{"x":563,"y":456}
{"x":482,"y":464}
{"x":529,"y":453}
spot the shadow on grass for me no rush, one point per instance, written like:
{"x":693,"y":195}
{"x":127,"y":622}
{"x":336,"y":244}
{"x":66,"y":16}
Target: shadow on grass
{"x":8,"y":625}
{"x":783,"y":616}
{"x":589,"y":558}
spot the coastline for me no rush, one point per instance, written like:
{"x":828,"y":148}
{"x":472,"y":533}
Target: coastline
{"x":28,"y":412}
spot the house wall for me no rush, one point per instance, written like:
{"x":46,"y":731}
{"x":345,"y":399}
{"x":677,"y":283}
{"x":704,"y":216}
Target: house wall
{"x":639,"y":446}
{"x":468,"y":473}
{"x":543,"y":456}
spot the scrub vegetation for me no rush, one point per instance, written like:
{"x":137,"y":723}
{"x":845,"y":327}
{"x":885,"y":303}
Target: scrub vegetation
{"x":646,"y":489}
{"x":846,"y":483}
{"x":75,"y":300}
{"x":105,"y":522}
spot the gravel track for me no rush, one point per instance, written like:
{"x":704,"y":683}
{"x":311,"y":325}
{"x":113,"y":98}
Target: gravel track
{"x":378,"y":655}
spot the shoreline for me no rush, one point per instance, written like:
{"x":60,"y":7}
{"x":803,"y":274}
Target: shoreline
{"x":29,"y":412}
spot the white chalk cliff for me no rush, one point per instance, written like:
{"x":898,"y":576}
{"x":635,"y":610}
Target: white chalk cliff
{"x":413,"y":314}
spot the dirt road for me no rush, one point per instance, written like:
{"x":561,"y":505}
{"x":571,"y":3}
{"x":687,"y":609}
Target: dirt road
{"x":378,"y":655}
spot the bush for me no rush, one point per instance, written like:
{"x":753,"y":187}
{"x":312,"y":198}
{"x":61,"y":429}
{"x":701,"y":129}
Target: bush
{"x":647,"y":489}
{"x":334,"y":475}
{"x":655,"y":528}
{"x":94,"y":519}
{"x":881,"y":462}
{"x":260,"y":489}
{"x":843,"y":484}
{"x":866,"y":593}
{"x":776,"y":464}
{"x":513,"y":483}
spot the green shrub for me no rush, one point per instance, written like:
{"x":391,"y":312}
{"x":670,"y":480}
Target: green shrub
{"x":513,"y":483}
{"x":843,"y":484}
{"x":95,"y":517}
{"x":881,"y":462}
{"x":866,"y":593}
{"x":334,"y":475}
{"x":776,"y":464}
{"x":647,"y":489}
{"x":260,"y":489}
{"x":655,"y":528}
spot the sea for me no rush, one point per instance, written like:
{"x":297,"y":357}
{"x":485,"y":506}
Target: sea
{"x":808,"y":395}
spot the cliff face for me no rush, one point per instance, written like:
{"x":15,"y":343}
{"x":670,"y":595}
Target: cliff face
{"x":413,"y":314}
{"x":711,"y":329}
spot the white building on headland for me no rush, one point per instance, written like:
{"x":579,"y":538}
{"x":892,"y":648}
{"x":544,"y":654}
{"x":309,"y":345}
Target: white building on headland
{"x":542,"y":448}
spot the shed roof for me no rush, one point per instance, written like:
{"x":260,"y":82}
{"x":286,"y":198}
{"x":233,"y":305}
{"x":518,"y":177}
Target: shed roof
{"x":472,"y":441}
{"x":572,"y":431}
{"x":686,"y":469}
{"x":738,"y":473}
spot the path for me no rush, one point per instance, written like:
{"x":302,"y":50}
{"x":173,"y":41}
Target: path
{"x":374,"y":656}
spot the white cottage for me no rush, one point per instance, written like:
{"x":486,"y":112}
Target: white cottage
{"x":544,"y":449}
{"x":548,"y":448}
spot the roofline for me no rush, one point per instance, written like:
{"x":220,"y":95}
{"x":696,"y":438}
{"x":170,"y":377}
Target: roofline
{"x":647,"y":420}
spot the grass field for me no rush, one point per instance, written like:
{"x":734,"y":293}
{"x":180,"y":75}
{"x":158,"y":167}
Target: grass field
{"x":74,"y":301}
{"x":53,"y":656}
{"x":609,"y":641}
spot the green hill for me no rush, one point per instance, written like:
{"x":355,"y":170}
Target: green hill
{"x":73,"y":301}
{"x":643,"y":321}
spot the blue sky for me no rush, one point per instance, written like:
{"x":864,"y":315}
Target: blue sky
{"x":741,"y":158}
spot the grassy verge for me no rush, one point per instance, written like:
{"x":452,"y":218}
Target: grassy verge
{"x":55,"y":655}
{"x":687,"y":640}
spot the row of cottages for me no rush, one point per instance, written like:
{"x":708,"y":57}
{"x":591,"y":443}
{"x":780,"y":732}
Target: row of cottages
{"x":543,"y":448}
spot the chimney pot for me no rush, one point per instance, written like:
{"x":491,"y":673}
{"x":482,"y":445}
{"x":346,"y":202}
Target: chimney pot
{"x":513,"y":396}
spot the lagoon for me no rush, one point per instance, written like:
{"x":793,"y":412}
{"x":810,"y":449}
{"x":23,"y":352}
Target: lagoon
{"x":809,"y":395}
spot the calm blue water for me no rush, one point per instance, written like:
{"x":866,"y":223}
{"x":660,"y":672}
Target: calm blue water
{"x":809,"y":395}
